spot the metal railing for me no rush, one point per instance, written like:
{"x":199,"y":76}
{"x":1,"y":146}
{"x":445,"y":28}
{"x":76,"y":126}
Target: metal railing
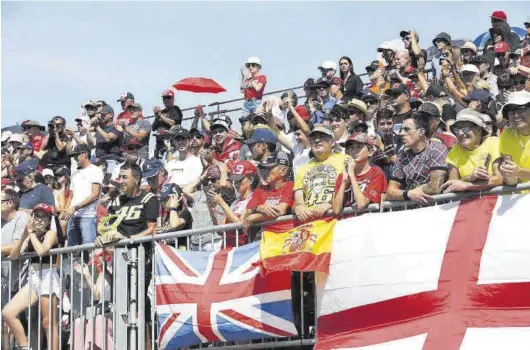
{"x":103,"y":306}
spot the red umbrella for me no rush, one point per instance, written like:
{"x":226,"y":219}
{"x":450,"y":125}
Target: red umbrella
{"x":200,"y":85}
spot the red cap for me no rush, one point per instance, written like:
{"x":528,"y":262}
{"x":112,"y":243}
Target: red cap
{"x":499,"y":15}
{"x":242,"y":168}
{"x":168,"y":92}
{"x":501,"y":47}
{"x":6,"y":181}
{"x":361,"y":137}
{"x":337,"y":81}
{"x":302,"y":112}
{"x":44,"y":207}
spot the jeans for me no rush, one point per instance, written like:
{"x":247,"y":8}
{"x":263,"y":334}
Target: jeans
{"x":250,"y":106}
{"x":81,"y":230}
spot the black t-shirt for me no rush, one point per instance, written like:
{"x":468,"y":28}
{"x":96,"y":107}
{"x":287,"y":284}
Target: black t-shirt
{"x":136,"y":212}
{"x":398,"y":118}
{"x":173,"y":113}
{"x":105,"y":149}
{"x":54,"y":159}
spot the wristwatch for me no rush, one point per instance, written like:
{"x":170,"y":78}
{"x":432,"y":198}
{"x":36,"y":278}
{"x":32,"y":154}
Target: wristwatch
{"x":405,"y":195}
{"x":254,"y":210}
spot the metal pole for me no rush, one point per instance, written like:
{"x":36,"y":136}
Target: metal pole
{"x":60,"y":300}
{"x":93,"y":280}
{"x":141,"y":295}
{"x":39,"y":314}
{"x":102,"y":301}
{"x":50,"y":334}
{"x":133,"y":302}
{"x":81,"y":306}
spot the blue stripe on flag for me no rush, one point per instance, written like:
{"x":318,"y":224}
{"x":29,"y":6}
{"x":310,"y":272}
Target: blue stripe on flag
{"x":243,"y":254}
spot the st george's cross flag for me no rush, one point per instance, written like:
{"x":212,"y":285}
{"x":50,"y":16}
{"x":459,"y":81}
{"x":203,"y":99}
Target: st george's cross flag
{"x":453,"y":276}
{"x":219,"y":296}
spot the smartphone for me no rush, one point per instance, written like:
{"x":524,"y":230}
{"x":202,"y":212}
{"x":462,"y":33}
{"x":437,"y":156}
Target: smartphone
{"x":507,"y":158}
{"x":487,"y":161}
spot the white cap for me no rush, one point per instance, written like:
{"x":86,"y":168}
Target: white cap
{"x":6,"y":135}
{"x":328,"y":65}
{"x":469,"y":45}
{"x":83,"y":118}
{"x":386,"y":46}
{"x":518,"y":98}
{"x":254,"y":59}
{"x":16,"y":138}
{"x":47,"y":171}
{"x":470,"y":68}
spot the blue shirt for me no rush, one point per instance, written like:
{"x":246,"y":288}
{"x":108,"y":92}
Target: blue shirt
{"x":38,"y":194}
{"x":318,"y":117}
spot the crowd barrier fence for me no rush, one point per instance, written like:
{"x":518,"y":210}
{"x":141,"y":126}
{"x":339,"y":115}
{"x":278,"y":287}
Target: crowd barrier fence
{"x":102,"y":304}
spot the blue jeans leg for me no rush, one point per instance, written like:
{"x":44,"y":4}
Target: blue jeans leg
{"x":88,"y":229}
{"x":73,"y":235}
{"x":250,"y":106}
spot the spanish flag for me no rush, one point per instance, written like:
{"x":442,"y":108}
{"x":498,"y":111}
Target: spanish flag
{"x":304,"y":248}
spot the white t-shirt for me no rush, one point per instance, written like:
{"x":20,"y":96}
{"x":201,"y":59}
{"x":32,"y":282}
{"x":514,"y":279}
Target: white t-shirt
{"x":184,"y":172}
{"x":81,"y":186}
{"x":300,"y":158}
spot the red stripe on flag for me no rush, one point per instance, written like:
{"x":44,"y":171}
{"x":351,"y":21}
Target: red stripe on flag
{"x":176,"y":260}
{"x":255,"y":324}
{"x":302,"y":261}
{"x":167,"y":324}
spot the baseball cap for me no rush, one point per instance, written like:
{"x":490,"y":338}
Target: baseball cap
{"x":81,"y":148}
{"x":328,"y":65}
{"x":471,"y":68}
{"x":107,"y":109}
{"x":278,"y":158}
{"x":26,"y":145}
{"x":133,"y":141}
{"x":135,"y":106}
{"x":469,"y":115}
{"x":480,"y":59}
{"x":47,"y":172}
{"x":336,"y":81}
{"x":501,"y":47}
{"x":309,"y":83}
{"x":397,"y":88}
{"x":321,"y":81}
{"x":44,"y":207}
{"x":6,"y":135}
{"x":196,"y":132}
{"x":16,"y":138}
{"x":90,"y":103}
{"x":100,"y":161}
{"x":262,"y":135}
{"x":168,"y":92}
{"x":404,"y":34}
{"x":170,"y":189}
{"x":151,"y":167}
{"x":469,"y":45}
{"x":436,"y":90}
{"x":386,"y":46}
{"x":374,"y":65}
{"x":178,"y":131}
{"x":430,"y":108}
{"x":83,"y":119}
{"x":124,"y":96}
{"x":259,"y":118}
{"x":302,"y":112}
{"x":253,"y":60}
{"x":26,"y":167}
{"x":221,"y":120}
{"x":369,"y":95}
{"x":63,"y":171}
{"x":478,"y":95}
{"x":33,"y":123}
{"x":499,"y":15}
{"x":242,"y":168}
{"x":324,"y":129}
{"x":360,"y":137}
{"x":516,"y":98}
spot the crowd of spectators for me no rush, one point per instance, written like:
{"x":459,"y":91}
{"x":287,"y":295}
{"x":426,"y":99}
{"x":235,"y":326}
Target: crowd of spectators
{"x":407,"y":135}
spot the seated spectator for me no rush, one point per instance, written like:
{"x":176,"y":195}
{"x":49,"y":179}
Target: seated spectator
{"x":43,"y":282}
{"x":386,"y":157}
{"x":58,"y":145}
{"x":327,"y":70}
{"x":431,"y":111}
{"x":155,"y":174}
{"x":224,"y":146}
{"x":197,"y":141}
{"x":273,"y":197}
{"x":108,"y":138}
{"x":323,"y":104}
{"x":376,"y":74}
{"x":86,"y":186}
{"x":514,"y":142}
{"x":165,"y":118}
{"x":483,"y":63}
{"x":468,"y":52}
{"x":362,"y":183}
{"x":421,"y":168}
{"x":49,"y":178}
{"x":352,"y":83}
{"x":317,"y":182}
{"x":336,"y":90}
{"x":139,"y":129}
{"x":175,"y":214}
{"x":437,"y":94}
{"x":356,"y":111}
{"x":252,"y":84}
{"x":126,"y":99}
{"x":32,"y":192}
{"x":130,"y":156}
{"x":7,"y":184}
{"x":519,"y":82}
{"x":34,"y":131}
{"x":338,"y":119}
{"x":474,"y":161}
{"x":399,"y":95}
{"x":186,"y":168}
{"x":244,"y":177}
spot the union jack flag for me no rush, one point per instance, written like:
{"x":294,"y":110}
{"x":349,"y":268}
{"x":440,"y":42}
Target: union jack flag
{"x":219,"y":296}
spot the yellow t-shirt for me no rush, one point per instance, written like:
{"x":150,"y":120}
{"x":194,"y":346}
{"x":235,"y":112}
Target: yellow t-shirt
{"x":319,"y":181}
{"x":517,"y":146}
{"x":466,"y":161}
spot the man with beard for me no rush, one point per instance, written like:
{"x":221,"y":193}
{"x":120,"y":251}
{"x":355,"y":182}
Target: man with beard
{"x":187,"y":167}
{"x":170,"y":116}
{"x":33,"y":130}
{"x":138,"y":128}
{"x":91,"y":108}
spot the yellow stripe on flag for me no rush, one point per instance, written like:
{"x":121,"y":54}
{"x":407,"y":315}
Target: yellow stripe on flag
{"x":304,"y":248}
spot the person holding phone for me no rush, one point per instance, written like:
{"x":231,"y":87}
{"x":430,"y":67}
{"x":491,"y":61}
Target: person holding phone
{"x":252,"y":84}
{"x":474,"y":161}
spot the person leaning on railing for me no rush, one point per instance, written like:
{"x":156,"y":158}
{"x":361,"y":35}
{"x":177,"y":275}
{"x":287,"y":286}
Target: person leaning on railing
{"x":38,"y":237}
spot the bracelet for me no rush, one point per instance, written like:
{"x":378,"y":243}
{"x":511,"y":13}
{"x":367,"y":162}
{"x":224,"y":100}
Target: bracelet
{"x":254,"y":210}
{"x":405,"y":195}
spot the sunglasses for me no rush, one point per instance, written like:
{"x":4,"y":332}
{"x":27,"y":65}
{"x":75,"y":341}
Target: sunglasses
{"x":198,"y":137}
{"x":406,"y":38}
{"x":251,"y":65}
{"x":326,"y":69}
{"x":40,"y":217}
{"x":517,"y":110}
{"x":131,"y":148}
{"x":322,"y":87}
{"x":464,"y":129}
{"x":90,"y":108}
{"x":167,"y":97}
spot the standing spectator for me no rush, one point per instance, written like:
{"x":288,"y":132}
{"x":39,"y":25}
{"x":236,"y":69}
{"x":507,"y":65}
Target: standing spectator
{"x":62,"y":193}
{"x":421,"y":167}
{"x":310,"y":90}
{"x":411,"y":41}
{"x":175,"y":213}
{"x":262,"y":144}
{"x":468,"y":52}
{"x":130,"y":152}
{"x":100,"y":104}
{"x":483,"y":64}
{"x":473,"y":162}
{"x":91,"y":108}
{"x":85,"y":135}
{"x":196,"y":141}
{"x":86,"y":186}
{"x":274,"y":197}
{"x":336,"y":90}
{"x":32,"y":192}
{"x":187,"y":167}
{"x":376,"y":74}
{"x":442,"y":42}
{"x":58,"y":145}
{"x":327,"y":70}
{"x":324,"y":103}
{"x":515,"y":140}
{"x":362,"y":183}
{"x":388,"y":53}
{"x":431,"y":111}
{"x":155,"y":175}
{"x":126,"y":99}
{"x":252,"y":84}
{"x":108,"y":138}
{"x":170,"y":116}
{"x":43,"y":280}
{"x":34,"y":130}
{"x":224,"y":146}
{"x":499,"y":22}
{"x":399,"y":95}
{"x":352,"y":83}
{"x":317,"y":182}
{"x":140,"y":129}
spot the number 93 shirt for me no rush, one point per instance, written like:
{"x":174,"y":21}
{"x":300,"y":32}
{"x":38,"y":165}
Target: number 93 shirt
{"x":319,"y":181}
{"x":135,"y":212}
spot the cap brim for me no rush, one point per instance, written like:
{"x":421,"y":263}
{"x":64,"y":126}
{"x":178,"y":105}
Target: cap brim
{"x":403,"y":33}
{"x":249,"y":142}
{"x":321,"y":132}
{"x":150,"y":174}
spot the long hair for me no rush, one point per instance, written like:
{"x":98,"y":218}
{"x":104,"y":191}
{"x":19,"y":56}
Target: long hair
{"x":342,"y":75}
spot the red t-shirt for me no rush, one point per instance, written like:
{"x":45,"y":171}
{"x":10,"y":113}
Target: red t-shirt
{"x":449,"y":140}
{"x":250,"y":93}
{"x":373,"y":184}
{"x":284,"y":194}
{"x":125,"y":115}
{"x":36,"y":142}
{"x":230,"y":151}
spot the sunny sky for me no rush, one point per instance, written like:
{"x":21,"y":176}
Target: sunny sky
{"x":57,"y":55}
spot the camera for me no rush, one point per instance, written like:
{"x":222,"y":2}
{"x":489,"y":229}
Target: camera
{"x":443,"y":57}
{"x":51,"y":125}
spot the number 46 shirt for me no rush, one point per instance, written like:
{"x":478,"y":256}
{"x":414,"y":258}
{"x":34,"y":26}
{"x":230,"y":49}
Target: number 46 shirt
{"x":135,"y":212}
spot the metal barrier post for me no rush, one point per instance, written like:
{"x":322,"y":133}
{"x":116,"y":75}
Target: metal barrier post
{"x":120,"y":298}
{"x":133,"y":277}
{"x":141,"y":296}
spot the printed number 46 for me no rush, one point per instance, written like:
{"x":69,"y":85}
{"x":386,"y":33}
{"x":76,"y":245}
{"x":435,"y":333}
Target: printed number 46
{"x":130,"y":213}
